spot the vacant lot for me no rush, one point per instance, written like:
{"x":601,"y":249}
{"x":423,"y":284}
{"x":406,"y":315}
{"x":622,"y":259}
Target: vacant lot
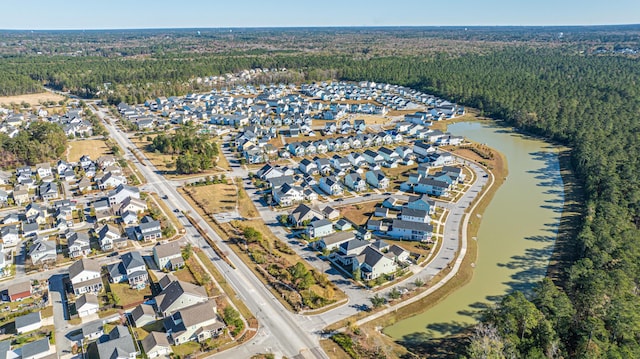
{"x":93,"y":148}
{"x":358,"y":214}
{"x":32,"y":99}
{"x":215,"y":198}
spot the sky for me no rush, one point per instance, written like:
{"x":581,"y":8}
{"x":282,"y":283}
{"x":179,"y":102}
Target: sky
{"x":136,"y":14}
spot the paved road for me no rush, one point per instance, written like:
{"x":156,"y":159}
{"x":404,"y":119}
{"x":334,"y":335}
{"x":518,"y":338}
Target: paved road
{"x":359,"y":298}
{"x":279,"y":333}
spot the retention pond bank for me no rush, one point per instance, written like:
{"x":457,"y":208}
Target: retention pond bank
{"x":516,"y":236}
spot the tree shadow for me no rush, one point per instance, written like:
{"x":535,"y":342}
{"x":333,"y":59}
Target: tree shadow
{"x":425,"y":345}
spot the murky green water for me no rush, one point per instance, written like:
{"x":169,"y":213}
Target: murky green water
{"x":516,"y":235}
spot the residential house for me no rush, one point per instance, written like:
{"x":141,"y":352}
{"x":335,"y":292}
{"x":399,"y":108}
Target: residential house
{"x":110,"y":238}
{"x":423,"y":149}
{"x":412,"y":231}
{"x":288,"y":195}
{"x":120,"y":345}
{"x":324,"y":165}
{"x":92,"y":331}
{"x":78,"y":243}
{"x":356,"y":159}
{"x":415,"y":215}
{"x":10,"y":235}
{"x":354,"y":182}
{"x":308,"y":167}
{"x":131,"y":269}
{"x":343,"y":225}
{"x":123,"y":191}
{"x":333,"y":241}
{"x":148,"y":229}
{"x":142,"y":315}
{"x":49,"y":191}
{"x":84,"y":185}
{"x":178,"y":295}
{"x":129,"y":217}
{"x":422,"y":202}
{"x":43,"y":170}
{"x":87,"y":304}
{"x":28,"y":322}
{"x":432,"y":187}
{"x":198,"y":322}
{"x":20,"y":197}
{"x":156,"y":344}
{"x":110,"y":180}
{"x":331,"y":186}
{"x":85,"y":276}
{"x":37,"y":349}
{"x":168,"y":255}
{"x":373,"y":158}
{"x":330,"y":213}
{"x":42,"y":251}
{"x":319,"y":228}
{"x":377,"y":179}
{"x":304,"y":213}
{"x":19,"y":291}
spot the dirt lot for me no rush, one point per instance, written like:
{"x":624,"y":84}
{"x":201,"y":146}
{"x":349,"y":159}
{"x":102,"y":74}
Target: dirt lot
{"x":32,"y":99}
{"x":93,"y":148}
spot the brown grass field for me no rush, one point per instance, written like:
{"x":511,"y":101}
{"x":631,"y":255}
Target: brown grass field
{"x":358,"y":214}
{"x":215,"y":198}
{"x":32,"y":99}
{"x":93,"y":148}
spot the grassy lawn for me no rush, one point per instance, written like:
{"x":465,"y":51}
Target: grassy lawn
{"x":32,"y":99}
{"x":358,"y":213}
{"x":222,"y":160}
{"x":246,"y":207}
{"x":215,"y":198}
{"x":128,"y":295}
{"x":47,"y":312}
{"x":185,"y":275}
{"x":93,"y":148}
{"x":185,"y":349}
{"x":332,"y":349}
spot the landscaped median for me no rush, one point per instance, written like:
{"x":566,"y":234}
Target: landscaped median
{"x":292,"y":280}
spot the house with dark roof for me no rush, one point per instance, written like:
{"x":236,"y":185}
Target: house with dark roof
{"x":131,"y":269}
{"x":415,"y":215}
{"x":178,"y":295}
{"x":120,"y":345}
{"x":148,"y":229}
{"x":197,"y":322}
{"x":304,"y":213}
{"x":85,"y":276}
{"x":412,"y":231}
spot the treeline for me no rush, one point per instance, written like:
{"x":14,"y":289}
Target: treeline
{"x":40,"y":142}
{"x":195,"y":152}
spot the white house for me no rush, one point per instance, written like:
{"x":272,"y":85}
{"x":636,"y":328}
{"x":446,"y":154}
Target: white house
{"x":87,"y":304}
{"x":330,"y":186}
{"x":85,"y":276}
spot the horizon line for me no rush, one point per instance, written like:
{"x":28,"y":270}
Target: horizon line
{"x":322,"y":27}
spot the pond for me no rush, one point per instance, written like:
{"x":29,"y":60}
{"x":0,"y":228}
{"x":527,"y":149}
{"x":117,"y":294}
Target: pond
{"x":516,"y":235}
